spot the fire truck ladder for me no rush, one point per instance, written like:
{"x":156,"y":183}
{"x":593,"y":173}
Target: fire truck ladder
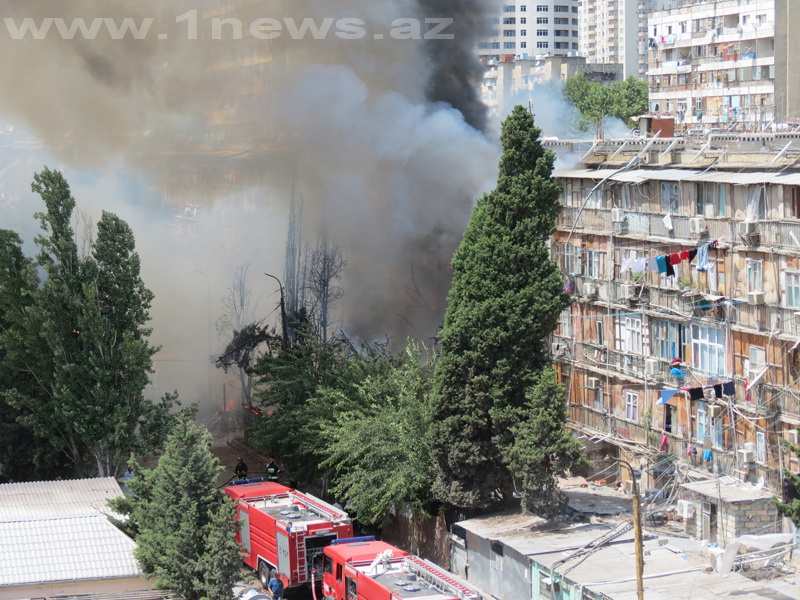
{"x":433,"y":575}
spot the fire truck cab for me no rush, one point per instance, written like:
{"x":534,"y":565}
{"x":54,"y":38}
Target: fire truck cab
{"x":364,"y":569}
{"x":284,"y":530}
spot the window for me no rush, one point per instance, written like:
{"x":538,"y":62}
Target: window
{"x":566,"y":323}
{"x":793,"y":290}
{"x":542,"y":20}
{"x":593,"y":264}
{"x":756,"y":204}
{"x":352,"y":589}
{"x":630,"y":335}
{"x":523,"y":8}
{"x":509,"y":8}
{"x":542,"y":45}
{"x":599,"y":331}
{"x":702,"y":422}
{"x":668,"y":339}
{"x":509,"y":45}
{"x":523,"y":32}
{"x":542,"y":8}
{"x":560,"y":8}
{"x":631,"y":406}
{"x":571,"y":259}
{"x":717,"y":432}
{"x":523,"y":20}
{"x":708,"y":350}
{"x":561,"y":21}
{"x":598,"y":398}
{"x":791,"y":196}
{"x":509,"y":21}
{"x":523,"y":44}
{"x":755,"y":275}
{"x":761,"y":447}
{"x":669,"y":196}
{"x":542,"y":32}
{"x":509,"y":33}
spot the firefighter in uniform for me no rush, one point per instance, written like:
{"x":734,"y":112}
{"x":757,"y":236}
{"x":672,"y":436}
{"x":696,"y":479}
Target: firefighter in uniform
{"x":241,"y":469}
{"x":272,"y":470}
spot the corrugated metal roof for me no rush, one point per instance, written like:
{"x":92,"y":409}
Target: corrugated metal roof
{"x":46,"y":499}
{"x":597,"y":174}
{"x":68,"y":549}
{"x":752,"y":178}
{"x":660,"y":174}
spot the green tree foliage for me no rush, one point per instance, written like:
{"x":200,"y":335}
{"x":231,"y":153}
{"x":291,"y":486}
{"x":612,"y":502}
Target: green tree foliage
{"x":505,"y":300}
{"x":789,"y":503}
{"x":595,"y":101}
{"x":376,"y":438}
{"x":23,"y":457}
{"x":80,"y":343}
{"x":184,"y":526}
{"x":542,"y":448}
{"x":285,"y":381}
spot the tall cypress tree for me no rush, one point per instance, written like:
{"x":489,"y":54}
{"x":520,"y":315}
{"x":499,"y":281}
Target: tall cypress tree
{"x":505,"y":300}
{"x":184,"y":526}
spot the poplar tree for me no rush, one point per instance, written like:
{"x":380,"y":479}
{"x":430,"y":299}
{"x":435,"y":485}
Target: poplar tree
{"x":183,"y":525}
{"x":77,"y":344}
{"x":505,"y":300}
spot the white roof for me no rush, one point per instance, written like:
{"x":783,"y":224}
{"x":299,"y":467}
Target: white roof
{"x":67,"y":549}
{"x":47,"y":499}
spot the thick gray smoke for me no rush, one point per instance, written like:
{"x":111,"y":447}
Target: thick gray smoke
{"x":201,"y":143}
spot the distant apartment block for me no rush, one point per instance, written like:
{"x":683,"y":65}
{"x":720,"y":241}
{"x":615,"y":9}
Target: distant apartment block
{"x":614,"y":31}
{"x":725,"y":65}
{"x":530,"y":29}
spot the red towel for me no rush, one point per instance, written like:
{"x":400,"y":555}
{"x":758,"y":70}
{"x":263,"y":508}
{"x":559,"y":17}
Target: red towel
{"x":675,"y":259}
{"x":684,"y":255}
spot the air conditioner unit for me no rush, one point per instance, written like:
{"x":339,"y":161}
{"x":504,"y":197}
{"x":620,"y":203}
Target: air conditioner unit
{"x":755,"y":297}
{"x":747,"y":456}
{"x":697,"y":225}
{"x":685,"y":509}
{"x":652,"y":367}
{"x":593,"y":383}
{"x":793,"y":437}
{"x":797,"y":317}
{"x":589,"y":289}
{"x":715,"y":411}
{"x":617,"y":215}
{"x":628,"y":291}
{"x":629,"y":486}
{"x":555,"y":348}
{"x":748,"y":227}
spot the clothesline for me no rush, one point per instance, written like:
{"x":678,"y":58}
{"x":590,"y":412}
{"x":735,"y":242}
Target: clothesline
{"x":664,"y":263}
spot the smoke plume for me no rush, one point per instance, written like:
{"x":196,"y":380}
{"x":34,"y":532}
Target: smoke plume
{"x":202,"y":143}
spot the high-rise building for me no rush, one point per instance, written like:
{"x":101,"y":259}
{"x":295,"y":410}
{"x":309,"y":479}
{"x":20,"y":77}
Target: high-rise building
{"x":530,"y":29}
{"x":725,"y":64}
{"x":615,"y":31}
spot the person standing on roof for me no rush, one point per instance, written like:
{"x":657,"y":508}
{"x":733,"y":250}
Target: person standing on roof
{"x":272,"y":470}
{"x":241,"y":469}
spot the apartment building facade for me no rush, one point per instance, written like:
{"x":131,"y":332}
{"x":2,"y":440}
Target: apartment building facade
{"x":698,"y":367}
{"x":615,"y":31}
{"x":530,"y":29}
{"x":725,"y":64}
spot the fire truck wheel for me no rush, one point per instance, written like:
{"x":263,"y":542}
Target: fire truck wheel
{"x":263,"y":573}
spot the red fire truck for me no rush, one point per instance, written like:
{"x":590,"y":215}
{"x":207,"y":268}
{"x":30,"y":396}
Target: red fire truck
{"x":285,"y":530}
{"x":365,"y":569}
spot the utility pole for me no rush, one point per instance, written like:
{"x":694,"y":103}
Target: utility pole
{"x":285,"y":333}
{"x":637,"y":532}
